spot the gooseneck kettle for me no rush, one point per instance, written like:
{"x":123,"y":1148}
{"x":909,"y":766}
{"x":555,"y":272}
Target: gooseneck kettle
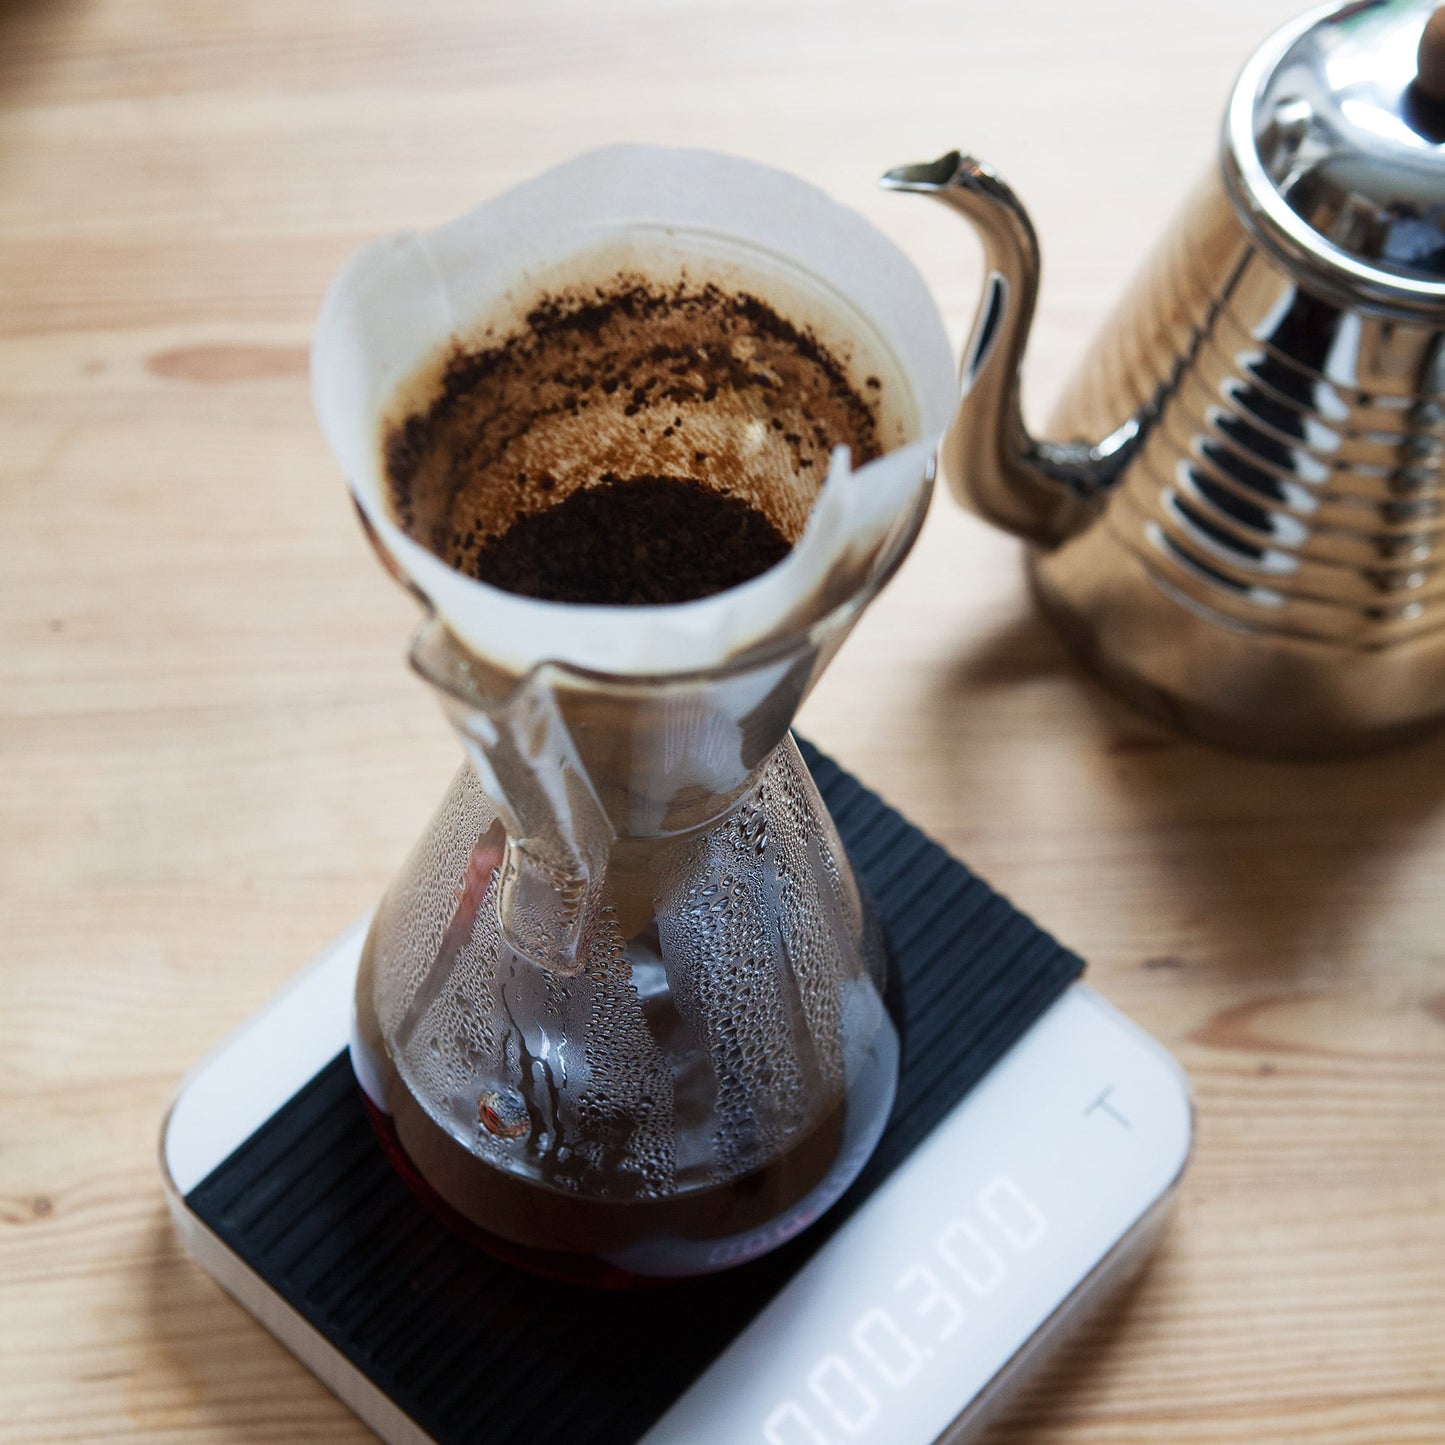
{"x":1242,"y":526}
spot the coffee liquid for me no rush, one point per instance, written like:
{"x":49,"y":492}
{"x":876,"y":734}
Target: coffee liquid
{"x":575,"y":1237}
{"x":630,"y":444}
{"x":578,"y":1238}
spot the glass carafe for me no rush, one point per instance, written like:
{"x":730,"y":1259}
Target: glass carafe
{"x":624,"y":1001}
{"x":621,"y":1012}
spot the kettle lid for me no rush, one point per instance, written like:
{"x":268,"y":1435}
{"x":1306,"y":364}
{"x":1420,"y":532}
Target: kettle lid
{"x":1334,"y":149}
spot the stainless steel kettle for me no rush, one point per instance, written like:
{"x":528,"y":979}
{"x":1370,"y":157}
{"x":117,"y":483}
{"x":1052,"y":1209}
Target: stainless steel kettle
{"x":1247,"y":537}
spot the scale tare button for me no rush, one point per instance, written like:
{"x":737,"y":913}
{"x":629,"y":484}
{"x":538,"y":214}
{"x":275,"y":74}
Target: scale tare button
{"x":1106,"y":1105}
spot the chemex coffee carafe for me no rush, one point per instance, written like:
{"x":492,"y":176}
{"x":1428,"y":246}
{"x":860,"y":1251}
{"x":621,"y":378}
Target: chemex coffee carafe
{"x":622,"y":1011}
{"x":1242,"y":524}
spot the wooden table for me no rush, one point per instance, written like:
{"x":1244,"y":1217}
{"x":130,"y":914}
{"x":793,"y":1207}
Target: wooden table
{"x":212,"y":755}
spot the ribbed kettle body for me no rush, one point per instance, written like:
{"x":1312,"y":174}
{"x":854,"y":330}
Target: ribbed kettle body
{"x":1266,"y":569}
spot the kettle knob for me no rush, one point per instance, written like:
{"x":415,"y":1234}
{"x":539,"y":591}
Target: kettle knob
{"x":1430,"y":59}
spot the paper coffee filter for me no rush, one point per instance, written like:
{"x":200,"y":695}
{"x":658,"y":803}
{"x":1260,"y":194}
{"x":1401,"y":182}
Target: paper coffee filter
{"x":399,"y":305}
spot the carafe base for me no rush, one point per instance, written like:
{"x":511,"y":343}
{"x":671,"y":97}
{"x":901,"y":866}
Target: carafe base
{"x":640,"y":1242}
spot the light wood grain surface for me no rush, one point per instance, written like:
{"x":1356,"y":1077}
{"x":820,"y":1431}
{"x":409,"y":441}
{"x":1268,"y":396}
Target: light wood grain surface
{"x":212,"y":755}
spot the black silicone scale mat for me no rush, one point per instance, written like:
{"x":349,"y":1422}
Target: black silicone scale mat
{"x":475,"y":1351}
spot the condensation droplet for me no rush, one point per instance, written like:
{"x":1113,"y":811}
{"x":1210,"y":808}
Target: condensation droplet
{"x":503,"y":1114}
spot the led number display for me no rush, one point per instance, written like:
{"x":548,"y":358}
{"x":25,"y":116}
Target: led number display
{"x":893,"y":1341}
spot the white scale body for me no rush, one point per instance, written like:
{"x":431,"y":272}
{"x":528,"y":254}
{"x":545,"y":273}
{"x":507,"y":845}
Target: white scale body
{"x":1022,"y":1210}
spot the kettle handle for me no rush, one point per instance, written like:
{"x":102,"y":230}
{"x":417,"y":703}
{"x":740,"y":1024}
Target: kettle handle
{"x":1042,"y":491}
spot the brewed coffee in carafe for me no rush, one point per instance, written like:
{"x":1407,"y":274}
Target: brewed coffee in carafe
{"x":621,"y":1012}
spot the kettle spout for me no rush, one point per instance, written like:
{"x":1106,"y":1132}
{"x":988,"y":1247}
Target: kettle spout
{"x":1042,"y":491}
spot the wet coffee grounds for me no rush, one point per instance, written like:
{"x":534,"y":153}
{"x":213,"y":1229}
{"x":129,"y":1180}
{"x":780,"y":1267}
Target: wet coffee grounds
{"x":633,"y":542}
{"x":628,"y":442}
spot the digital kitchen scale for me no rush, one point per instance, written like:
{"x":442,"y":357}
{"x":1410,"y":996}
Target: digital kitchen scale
{"x":1036,"y":1140}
